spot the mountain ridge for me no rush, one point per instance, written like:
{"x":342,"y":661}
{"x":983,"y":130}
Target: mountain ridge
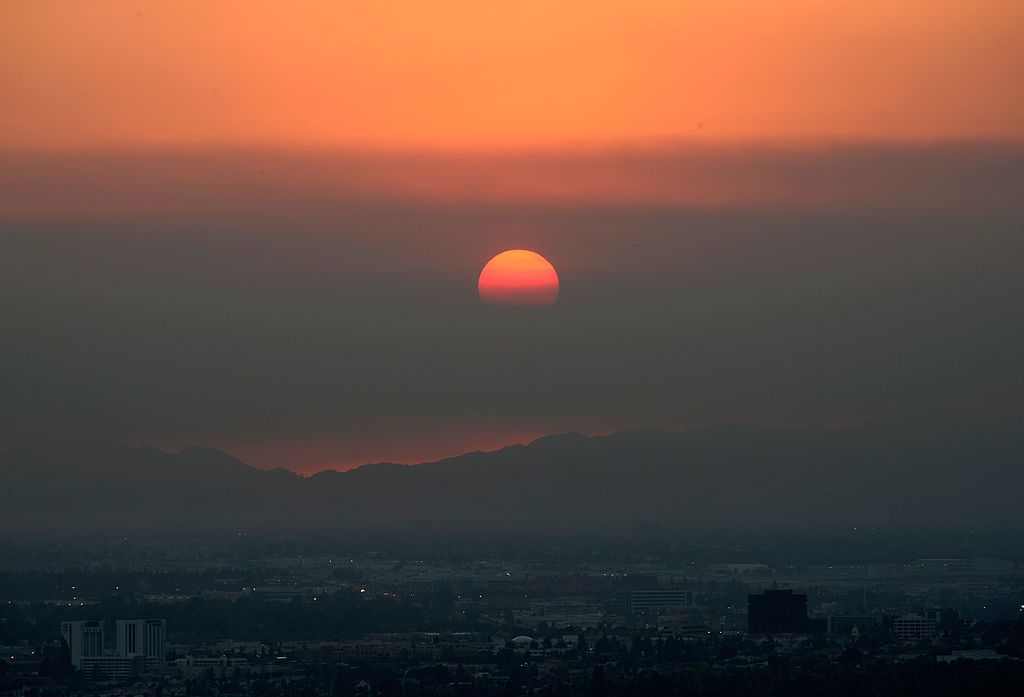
{"x":721,"y":476}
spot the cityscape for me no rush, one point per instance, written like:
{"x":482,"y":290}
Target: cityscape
{"x":169,"y":615}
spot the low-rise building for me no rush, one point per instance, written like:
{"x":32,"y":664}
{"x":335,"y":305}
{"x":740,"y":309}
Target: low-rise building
{"x":910,"y":627}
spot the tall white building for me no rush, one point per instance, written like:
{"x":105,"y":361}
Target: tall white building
{"x":82,"y":639}
{"x":143,"y":638}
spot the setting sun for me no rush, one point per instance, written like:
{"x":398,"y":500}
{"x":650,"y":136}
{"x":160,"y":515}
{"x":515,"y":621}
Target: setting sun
{"x":519,"y":277}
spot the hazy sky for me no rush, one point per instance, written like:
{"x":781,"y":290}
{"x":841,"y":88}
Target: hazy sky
{"x":259,"y":227}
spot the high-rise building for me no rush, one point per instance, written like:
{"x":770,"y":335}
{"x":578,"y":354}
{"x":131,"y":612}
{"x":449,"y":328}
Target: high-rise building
{"x":81,"y":639}
{"x":143,"y":638}
{"x":778,"y":612}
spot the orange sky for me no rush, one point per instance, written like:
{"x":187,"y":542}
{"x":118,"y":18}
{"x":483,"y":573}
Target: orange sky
{"x":470,"y":74}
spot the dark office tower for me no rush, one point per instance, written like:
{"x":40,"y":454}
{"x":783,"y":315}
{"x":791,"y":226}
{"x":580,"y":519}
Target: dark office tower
{"x":777,"y":612}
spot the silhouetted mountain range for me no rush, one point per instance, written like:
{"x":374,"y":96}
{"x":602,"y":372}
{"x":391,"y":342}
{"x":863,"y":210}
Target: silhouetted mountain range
{"x":720,"y":477}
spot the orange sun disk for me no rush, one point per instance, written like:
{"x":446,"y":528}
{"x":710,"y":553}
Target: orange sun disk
{"x":518,"y":277}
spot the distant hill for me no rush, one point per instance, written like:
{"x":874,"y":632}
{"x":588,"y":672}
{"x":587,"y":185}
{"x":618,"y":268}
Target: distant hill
{"x":720,"y":477}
